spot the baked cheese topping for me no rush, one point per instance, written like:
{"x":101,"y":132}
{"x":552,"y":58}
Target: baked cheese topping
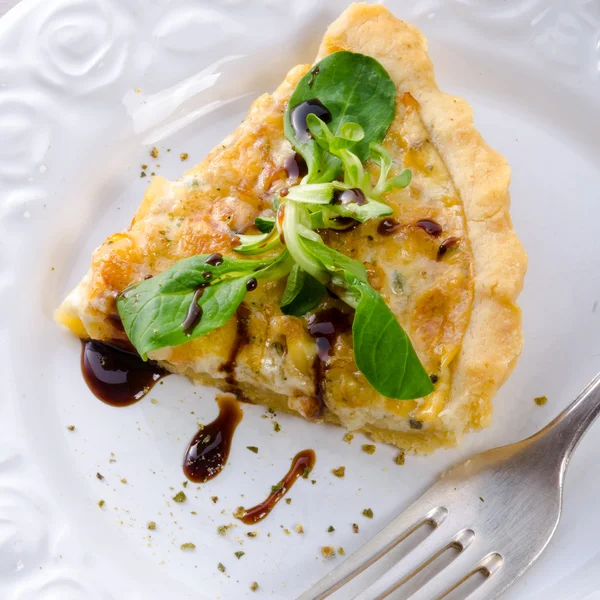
{"x":420,"y":260}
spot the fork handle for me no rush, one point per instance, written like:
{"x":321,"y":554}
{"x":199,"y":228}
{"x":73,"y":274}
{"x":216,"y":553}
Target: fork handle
{"x":567,"y":429}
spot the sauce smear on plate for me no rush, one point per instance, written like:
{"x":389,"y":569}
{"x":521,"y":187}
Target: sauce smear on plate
{"x":208,"y":452}
{"x":302,"y":465}
{"x":118,"y":377}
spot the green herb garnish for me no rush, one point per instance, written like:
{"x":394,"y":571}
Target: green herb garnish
{"x":180,"y":497}
{"x":188,"y":546}
{"x":355,"y":104}
{"x":339,"y":472}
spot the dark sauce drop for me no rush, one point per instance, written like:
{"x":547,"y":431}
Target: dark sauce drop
{"x":431,"y":227}
{"x":117,"y":376}
{"x":445,"y":246}
{"x":214,"y":260}
{"x":241,"y":339}
{"x":325,"y":326}
{"x":301,"y":111}
{"x":329,"y":323}
{"x":251,"y":284}
{"x":349,"y":196}
{"x":388,"y":227}
{"x":295,"y":166}
{"x":345,"y":224}
{"x":194,"y":313}
{"x":313,"y":73}
{"x":208,"y":452}
{"x":302,"y":464}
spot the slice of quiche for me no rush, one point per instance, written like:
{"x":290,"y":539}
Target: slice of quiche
{"x":346,"y":254}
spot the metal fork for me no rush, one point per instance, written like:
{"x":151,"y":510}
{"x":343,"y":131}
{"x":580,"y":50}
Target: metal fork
{"x":476,"y":530}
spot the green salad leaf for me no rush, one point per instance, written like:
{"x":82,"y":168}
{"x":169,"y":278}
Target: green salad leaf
{"x":355,"y":89}
{"x":337,"y":264}
{"x":264,"y":224}
{"x":382,"y":350}
{"x":257,"y":244}
{"x":190,"y":273}
{"x":302,"y":293}
{"x":153,"y":311}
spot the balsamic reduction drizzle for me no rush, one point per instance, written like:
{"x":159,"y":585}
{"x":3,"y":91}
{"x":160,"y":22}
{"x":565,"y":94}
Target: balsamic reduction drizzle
{"x":116,"y":376}
{"x":313,"y":73}
{"x":241,"y":339}
{"x":445,"y":246}
{"x":348,"y":196}
{"x":345,"y":224}
{"x":209,"y":449}
{"x":214,"y":260}
{"x":325,"y":326}
{"x":388,"y":226}
{"x":299,"y":113}
{"x":194,"y":313}
{"x":295,"y":166}
{"x":431,"y":227}
{"x":302,"y":465}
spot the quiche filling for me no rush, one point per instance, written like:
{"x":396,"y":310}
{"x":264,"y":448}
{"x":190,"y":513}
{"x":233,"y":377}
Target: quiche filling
{"x":333,"y":256}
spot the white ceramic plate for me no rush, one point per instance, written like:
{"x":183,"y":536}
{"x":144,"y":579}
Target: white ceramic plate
{"x":73,"y":134}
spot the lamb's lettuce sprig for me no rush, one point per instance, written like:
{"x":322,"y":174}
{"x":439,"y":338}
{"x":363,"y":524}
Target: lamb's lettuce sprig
{"x":321,"y":211}
{"x":309,"y":206}
{"x":355,"y":175}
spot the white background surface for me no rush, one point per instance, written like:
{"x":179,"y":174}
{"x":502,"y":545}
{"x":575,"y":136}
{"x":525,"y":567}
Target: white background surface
{"x":5,"y":5}
{"x":73,"y":134}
